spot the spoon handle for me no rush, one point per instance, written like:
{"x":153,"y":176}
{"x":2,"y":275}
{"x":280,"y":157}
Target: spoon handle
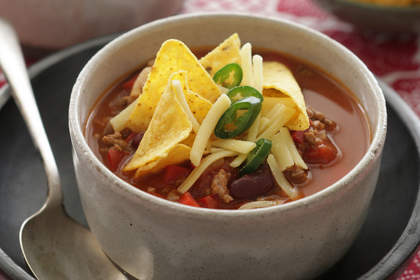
{"x":14,"y":69}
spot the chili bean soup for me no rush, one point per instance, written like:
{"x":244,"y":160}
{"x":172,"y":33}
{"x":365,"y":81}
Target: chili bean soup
{"x":336,"y":140}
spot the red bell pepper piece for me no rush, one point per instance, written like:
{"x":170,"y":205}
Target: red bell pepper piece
{"x":114,"y":158}
{"x":174,"y":173}
{"x":128,"y":85}
{"x":321,"y":154}
{"x":209,"y":202}
{"x":297,"y":136}
{"x":188,"y":199}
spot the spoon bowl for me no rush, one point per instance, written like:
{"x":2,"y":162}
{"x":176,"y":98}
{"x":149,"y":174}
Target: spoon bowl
{"x":54,"y":246}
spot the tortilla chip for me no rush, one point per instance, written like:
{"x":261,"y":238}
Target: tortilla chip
{"x":177,"y":154}
{"x":173,"y":56}
{"x":169,"y":126}
{"x":199,"y":106}
{"x":227,"y":52}
{"x":279,"y":82}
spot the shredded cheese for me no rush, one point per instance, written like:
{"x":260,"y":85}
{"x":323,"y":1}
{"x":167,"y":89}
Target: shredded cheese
{"x":292,"y":148}
{"x":181,"y":98}
{"x":216,"y":150}
{"x":257,"y":65}
{"x":239,"y":146}
{"x":252,"y":76}
{"x":280,"y":178}
{"x":207,"y":127}
{"x":281,"y":152}
{"x":275,"y":110}
{"x":238,"y":160}
{"x":196,"y":173}
{"x":258,"y":204}
{"x":278,"y":120}
{"x":119,"y":121}
{"x":264,"y":123}
{"x":254,"y":129}
{"x":208,"y":148}
{"x":246,"y":63}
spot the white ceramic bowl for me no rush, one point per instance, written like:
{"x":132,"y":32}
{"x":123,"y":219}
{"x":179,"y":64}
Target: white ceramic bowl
{"x":152,"y":238}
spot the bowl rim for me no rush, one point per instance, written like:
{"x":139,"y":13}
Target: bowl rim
{"x":132,"y":193}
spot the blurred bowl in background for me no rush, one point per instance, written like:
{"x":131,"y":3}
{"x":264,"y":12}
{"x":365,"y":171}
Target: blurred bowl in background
{"x":373,"y":16}
{"x":55,"y":24}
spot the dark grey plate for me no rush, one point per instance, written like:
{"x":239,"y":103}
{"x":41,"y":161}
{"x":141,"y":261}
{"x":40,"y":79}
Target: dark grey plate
{"x":386,"y":241}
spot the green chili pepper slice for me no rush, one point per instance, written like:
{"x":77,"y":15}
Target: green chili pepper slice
{"x":256,"y":157}
{"x":229,"y":76}
{"x":238,"y":93}
{"x":238,"y":117}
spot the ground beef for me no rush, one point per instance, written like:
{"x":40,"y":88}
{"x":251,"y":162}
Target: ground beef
{"x":219,"y":185}
{"x":314,"y":115}
{"x":203,"y":186}
{"x":315,"y":136}
{"x":317,"y":133}
{"x":296,"y":175}
{"x":116,"y":140}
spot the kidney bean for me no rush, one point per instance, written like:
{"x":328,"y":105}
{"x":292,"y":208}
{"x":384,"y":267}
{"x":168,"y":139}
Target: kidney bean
{"x":252,"y":185}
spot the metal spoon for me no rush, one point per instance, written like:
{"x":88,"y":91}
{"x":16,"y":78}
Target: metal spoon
{"x":54,"y":246}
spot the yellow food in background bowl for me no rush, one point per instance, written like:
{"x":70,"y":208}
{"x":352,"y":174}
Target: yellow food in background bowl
{"x":402,"y":3}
